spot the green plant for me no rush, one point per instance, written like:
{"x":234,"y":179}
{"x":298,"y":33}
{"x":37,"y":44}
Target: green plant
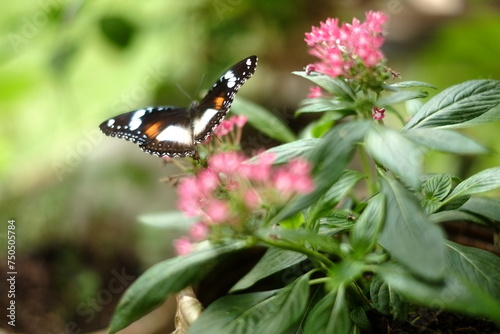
{"x":339,"y":251}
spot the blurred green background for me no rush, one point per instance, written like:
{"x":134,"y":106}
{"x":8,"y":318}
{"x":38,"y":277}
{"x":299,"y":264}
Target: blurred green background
{"x":66,"y":66}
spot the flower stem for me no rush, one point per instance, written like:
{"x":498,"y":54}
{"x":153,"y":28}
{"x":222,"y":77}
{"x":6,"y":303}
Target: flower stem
{"x":370,"y":181}
{"x":324,"y":262}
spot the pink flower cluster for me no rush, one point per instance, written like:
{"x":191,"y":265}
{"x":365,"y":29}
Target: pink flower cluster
{"x":341,"y":49}
{"x":231,"y":191}
{"x":228,"y":125}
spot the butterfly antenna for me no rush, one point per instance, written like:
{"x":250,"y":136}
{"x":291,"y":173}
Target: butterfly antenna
{"x":184,"y":92}
{"x":201,"y":83}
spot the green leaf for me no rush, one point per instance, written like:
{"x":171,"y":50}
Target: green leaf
{"x":437,"y":186}
{"x":486,"y":180}
{"x":318,"y":128}
{"x":337,"y":87}
{"x":361,"y":321}
{"x":454,"y":203}
{"x":238,"y":314}
{"x":164,"y":278}
{"x":456,"y":293}
{"x":289,"y":304}
{"x":456,"y":216}
{"x":336,"y":193}
{"x":262,"y":312}
{"x":299,"y":237}
{"x":483,"y":206}
{"x":344,"y":273}
{"x":445,"y":141}
{"x":289,"y":151}
{"x":273,"y":261}
{"x":410,"y":84}
{"x":118,"y":30}
{"x":343,"y":186}
{"x":325,"y":105}
{"x":263,"y":120}
{"x":329,"y":159}
{"x":458,"y":104}
{"x":408,"y":235}
{"x":490,"y":116}
{"x":478,"y":267}
{"x":399,"y":97}
{"x":413,"y":106}
{"x":168,"y":219}
{"x":337,"y":221}
{"x":330,"y":315}
{"x":388,"y":301}
{"x":364,"y":234}
{"x":396,"y":152}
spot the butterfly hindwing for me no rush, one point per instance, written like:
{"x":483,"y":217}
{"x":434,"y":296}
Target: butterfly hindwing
{"x":216,"y":104}
{"x":174,"y":131}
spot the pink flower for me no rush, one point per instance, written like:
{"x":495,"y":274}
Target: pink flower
{"x":239,"y":120}
{"x":299,"y":167}
{"x":226,"y":162}
{"x":340,"y":48}
{"x":190,"y":199}
{"x":224,"y":128}
{"x":294,"y":178}
{"x":284,"y":181}
{"x":232,"y":185}
{"x":259,"y":170}
{"x":207,"y":181}
{"x":303,"y":185}
{"x":252,"y":199}
{"x":378,"y":114}
{"x":217,"y":211}
{"x":183,"y":246}
{"x":198,"y":231}
{"x":315,"y":92}
{"x":230,"y":192}
{"x":310,"y":68}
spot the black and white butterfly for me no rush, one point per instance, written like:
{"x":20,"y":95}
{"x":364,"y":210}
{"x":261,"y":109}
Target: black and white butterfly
{"x":173,"y":131}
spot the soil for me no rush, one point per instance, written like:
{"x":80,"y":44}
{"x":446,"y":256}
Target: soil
{"x":425,"y":321}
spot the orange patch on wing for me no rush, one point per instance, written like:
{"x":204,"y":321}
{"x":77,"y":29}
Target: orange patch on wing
{"x":153,"y":130}
{"x":218,"y":102}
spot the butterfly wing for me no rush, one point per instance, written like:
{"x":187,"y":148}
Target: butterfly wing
{"x":215,"y":105}
{"x":161,"y":131}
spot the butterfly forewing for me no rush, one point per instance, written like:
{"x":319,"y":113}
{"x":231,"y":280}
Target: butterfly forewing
{"x":162,"y":131}
{"x":216,"y":104}
{"x":173,"y":131}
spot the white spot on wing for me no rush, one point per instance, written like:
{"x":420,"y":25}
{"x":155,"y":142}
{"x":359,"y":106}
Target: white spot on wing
{"x":200,"y":124}
{"x":249,"y":62}
{"x":136,"y":121}
{"x":111,"y":122}
{"x":177,"y":134}
{"x":231,"y":79}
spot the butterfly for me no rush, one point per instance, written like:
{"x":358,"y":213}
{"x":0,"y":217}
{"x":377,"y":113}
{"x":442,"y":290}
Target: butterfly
{"x":169,"y":131}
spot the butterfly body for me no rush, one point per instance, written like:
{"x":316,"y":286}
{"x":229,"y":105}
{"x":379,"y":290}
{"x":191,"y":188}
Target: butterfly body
{"x":173,"y":131}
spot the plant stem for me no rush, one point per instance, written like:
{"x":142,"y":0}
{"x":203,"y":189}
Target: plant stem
{"x":325,"y":262}
{"x":367,"y":170}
